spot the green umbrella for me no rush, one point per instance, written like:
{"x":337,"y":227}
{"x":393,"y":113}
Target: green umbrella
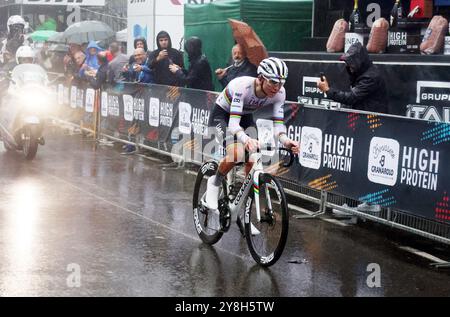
{"x":42,"y":36}
{"x":49,"y":24}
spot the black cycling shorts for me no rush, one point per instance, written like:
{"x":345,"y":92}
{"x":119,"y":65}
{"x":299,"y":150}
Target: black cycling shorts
{"x":219,"y":119}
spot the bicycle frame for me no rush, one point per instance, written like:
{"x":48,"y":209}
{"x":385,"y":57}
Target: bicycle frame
{"x":250,"y":181}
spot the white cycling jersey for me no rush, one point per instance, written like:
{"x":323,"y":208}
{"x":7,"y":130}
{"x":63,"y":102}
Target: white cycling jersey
{"x":239,"y":98}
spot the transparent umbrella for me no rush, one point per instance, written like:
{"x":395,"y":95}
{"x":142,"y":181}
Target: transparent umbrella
{"x":85,"y":31}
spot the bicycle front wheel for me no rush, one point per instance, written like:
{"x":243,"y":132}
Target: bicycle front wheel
{"x":266,"y":237}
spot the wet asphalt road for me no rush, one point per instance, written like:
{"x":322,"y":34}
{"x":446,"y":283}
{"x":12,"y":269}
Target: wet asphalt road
{"x":80,"y":221}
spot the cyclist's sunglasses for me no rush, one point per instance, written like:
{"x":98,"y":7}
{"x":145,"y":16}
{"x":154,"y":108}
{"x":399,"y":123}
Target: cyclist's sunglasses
{"x":275,"y":82}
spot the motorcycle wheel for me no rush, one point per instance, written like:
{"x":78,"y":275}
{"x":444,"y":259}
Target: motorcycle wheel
{"x":30,"y":143}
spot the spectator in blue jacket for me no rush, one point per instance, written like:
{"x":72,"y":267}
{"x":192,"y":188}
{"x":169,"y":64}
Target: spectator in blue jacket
{"x":91,"y":63}
{"x":139,"y":70}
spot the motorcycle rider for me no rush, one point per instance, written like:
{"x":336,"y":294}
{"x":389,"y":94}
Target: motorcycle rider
{"x":25,"y":55}
{"x":15,"y":37}
{"x":25,"y":104}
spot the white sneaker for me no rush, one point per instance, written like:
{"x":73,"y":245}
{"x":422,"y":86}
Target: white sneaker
{"x":212,"y":194}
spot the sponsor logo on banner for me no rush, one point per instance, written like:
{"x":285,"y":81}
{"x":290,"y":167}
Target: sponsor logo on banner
{"x":397,"y":38}
{"x":90,"y":97}
{"x":153,"y":112}
{"x":312,"y":95}
{"x":138,"y":109}
{"x":352,"y":38}
{"x":294,"y":132}
{"x":60,"y":94}
{"x":184,"y":120}
{"x":420,"y":168}
{"x":66,"y":95}
{"x":104,"y":106}
{"x":73,"y":97}
{"x":265,"y":136}
{"x":383,"y":161}
{"x":80,"y":99}
{"x":311,"y":147}
{"x":432,"y":102}
{"x":165,"y":114}
{"x":128,"y":107}
{"x":113,"y":106}
{"x":338,"y":152}
{"x":200,"y":118}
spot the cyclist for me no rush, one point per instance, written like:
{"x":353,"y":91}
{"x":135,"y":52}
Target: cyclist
{"x":232,"y":114}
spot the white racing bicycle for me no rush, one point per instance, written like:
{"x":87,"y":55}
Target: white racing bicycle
{"x":266,"y":216}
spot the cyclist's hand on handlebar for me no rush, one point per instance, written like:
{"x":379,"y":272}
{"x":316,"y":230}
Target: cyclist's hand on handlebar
{"x":294,"y":146}
{"x":252,"y":145}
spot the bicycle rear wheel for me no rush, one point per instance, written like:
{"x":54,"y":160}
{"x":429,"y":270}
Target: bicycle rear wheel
{"x":267,"y":244}
{"x":207,"y":223}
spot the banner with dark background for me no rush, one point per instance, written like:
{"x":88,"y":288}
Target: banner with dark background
{"x":391,"y":161}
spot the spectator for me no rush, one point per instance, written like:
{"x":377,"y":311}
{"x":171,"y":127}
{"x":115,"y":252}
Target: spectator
{"x":44,"y":57}
{"x":69,"y":61}
{"x":161,"y":58}
{"x":117,"y":63}
{"x":56,"y":58}
{"x":367,"y":92}
{"x":138,"y":71}
{"x":241,"y":67}
{"x":98,"y":80}
{"x":91,"y":63}
{"x":74,"y":77}
{"x":198,"y":76}
{"x":368,"y":89}
{"x":139,"y":42}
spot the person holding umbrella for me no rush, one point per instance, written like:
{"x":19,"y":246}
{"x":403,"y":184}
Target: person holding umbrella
{"x":241,"y":66}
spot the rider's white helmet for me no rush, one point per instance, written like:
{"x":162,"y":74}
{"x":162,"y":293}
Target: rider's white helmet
{"x":273,"y":68}
{"x":15,"y":19}
{"x":24,"y":52}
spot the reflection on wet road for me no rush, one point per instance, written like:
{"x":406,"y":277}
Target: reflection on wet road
{"x":81,"y":222}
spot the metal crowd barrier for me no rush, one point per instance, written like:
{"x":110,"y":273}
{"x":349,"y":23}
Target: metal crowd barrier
{"x":434,"y":230}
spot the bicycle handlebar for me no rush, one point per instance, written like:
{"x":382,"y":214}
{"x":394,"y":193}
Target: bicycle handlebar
{"x":287,"y":151}
{"x":291,"y":156}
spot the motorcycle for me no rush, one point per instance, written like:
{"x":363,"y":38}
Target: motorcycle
{"x":24,"y":109}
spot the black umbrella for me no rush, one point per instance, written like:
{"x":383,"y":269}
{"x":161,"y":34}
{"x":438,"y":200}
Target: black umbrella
{"x":85,"y":31}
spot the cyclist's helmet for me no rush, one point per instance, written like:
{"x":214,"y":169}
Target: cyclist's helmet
{"x":25,"y":54}
{"x":274,"y":69}
{"x":15,"y":21}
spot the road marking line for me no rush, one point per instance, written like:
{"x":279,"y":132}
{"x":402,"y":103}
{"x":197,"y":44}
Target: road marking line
{"x":422,"y":254}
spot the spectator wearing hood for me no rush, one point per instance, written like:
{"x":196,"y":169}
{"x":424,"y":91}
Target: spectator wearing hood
{"x":99,"y":80}
{"x":198,"y":76}
{"x":91,"y":63}
{"x":367,"y":88}
{"x":162,"y":57}
{"x":139,"y":42}
{"x":241,"y":67}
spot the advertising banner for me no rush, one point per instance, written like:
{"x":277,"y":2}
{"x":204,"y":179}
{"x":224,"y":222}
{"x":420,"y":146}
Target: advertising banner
{"x":387,"y":160}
